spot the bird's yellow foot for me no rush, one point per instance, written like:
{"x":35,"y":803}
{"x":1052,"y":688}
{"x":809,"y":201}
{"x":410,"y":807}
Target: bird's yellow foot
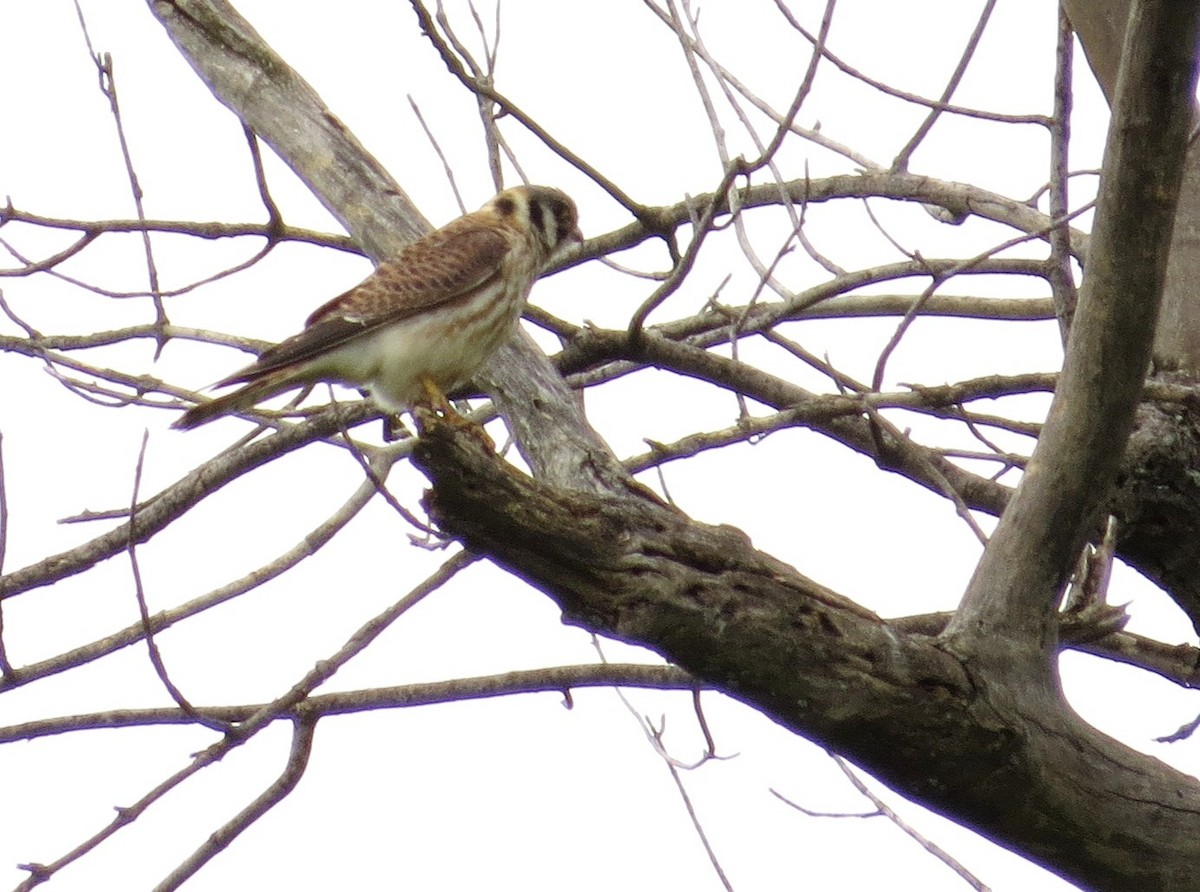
{"x":437,"y":402}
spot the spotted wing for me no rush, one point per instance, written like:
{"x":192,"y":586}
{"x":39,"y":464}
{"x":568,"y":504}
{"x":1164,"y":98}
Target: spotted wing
{"x":430,"y":273}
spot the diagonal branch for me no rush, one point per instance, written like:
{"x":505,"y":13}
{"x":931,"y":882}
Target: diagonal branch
{"x":246,"y":75}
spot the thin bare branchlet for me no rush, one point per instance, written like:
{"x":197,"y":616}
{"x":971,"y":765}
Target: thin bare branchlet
{"x":257,"y":721}
{"x":308,"y":545}
{"x":91,"y":230}
{"x":48,"y":265}
{"x":900,"y":162}
{"x":1009,"y":461}
{"x":880,"y":810}
{"x":483,"y":90}
{"x":177,"y":498}
{"x":484,"y":74}
{"x":687,"y":31}
{"x":6,"y":669}
{"x":901,"y":94}
{"x":108,"y":86}
{"x":655,"y":737}
{"x":376,"y":467}
{"x":274,"y":215}
{"x":887,"y":437}
{"x":446,"y":168}
{"x":156,"y":660}
{"x":960,"y":201}
{"x":548,"y":679}
{"x":884,"y":810}
{"x":940,"y":277}
{"x":947,"y":398}
{"x":727,"y":79}
{"x":693,"y":815}
{"x":297,"y":761}
{"x":702,"y":226}
{"x":883,"y":230}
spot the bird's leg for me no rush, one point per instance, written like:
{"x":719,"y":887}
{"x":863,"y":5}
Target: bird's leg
{"x":438,"y":402}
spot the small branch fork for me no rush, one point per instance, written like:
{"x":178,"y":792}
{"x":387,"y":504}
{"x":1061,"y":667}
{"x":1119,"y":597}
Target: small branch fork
{"x":883,"y":810}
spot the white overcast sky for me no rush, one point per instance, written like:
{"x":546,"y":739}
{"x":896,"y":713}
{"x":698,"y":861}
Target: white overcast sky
{"x":515,"y":793}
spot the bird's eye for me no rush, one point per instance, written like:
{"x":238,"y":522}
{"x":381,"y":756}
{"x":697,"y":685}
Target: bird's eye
{"x":505,"y":206}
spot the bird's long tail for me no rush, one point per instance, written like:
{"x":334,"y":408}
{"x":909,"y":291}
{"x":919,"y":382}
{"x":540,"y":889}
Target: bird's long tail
{"x":239,"y":400}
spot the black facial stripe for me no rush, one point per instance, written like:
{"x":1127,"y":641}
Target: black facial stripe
{"x":537,"y":219}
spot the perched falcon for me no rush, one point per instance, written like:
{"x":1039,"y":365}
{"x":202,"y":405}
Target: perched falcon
{"x":424,"y":322}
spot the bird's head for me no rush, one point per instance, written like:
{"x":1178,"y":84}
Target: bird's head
{"x":545,"y":212}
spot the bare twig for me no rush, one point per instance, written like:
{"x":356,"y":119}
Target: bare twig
{"x":172,"y":502}
{"x":486,"y":91}
{"x":156,"y":659}
{"x":462,"y":208}
{"x":550,"y":679}
{"x":484,"y":75}
{"x":694,"y":817}
{"x":90,"y":230}
{"x":900,"y":94}
{"x":219,"y":840}
{"x":108,"y":86}
{"x":1058,"y":272}
{"x":309,"y":544}
{"x":901,"y":160}
{"x":942,"y":276}
{"x":6,"y":670}
{"x":654,"y":734}
{"x":40,"y":873}
{"x":683,"y":266}
{"x":385,"y":460}
{"x":928,"y":845}
{"x":274,"y":217}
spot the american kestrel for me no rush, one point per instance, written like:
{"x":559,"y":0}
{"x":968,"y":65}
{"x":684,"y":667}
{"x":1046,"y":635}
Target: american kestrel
{"x":424,"y":322}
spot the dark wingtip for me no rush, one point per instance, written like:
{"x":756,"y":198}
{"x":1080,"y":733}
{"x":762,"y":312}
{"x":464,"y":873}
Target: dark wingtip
{"x":190,"y":419}
{"x":202,"y":413}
